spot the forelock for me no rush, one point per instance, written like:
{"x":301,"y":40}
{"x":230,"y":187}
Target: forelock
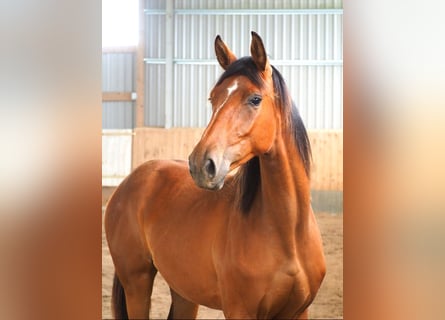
{"x":243,"y":67}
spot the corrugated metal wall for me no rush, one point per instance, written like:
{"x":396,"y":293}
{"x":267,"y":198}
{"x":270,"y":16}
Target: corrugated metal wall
{"x":302,"y":38}
{"x":118,"y":76}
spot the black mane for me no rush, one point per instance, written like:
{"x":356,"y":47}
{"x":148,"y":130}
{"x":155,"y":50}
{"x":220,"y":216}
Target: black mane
{"x":248,"y":176}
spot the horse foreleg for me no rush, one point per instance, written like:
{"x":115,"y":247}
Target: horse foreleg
{"x":138,"y":294}
{"x":182,"y":308}
{"x":304,"y":314}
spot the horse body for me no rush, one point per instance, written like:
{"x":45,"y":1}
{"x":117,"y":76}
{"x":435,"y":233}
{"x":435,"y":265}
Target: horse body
{"x":182,"y":253}
{"x":253,"y":254}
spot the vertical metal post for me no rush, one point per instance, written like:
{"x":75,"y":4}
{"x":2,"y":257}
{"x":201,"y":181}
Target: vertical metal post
{"x":140,"y":69}
{"x":169,"y":85}
{"x":140,"y":83}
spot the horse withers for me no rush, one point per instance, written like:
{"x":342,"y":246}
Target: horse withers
{"x":247,"y":242}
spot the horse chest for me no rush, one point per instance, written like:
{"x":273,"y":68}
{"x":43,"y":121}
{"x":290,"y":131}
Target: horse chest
{"x":261,"y":283}
{"x":264,"y":294}
{"x":287,"y":296}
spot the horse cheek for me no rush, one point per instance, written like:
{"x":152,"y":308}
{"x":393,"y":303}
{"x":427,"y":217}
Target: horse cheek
{"x":265,"y":136}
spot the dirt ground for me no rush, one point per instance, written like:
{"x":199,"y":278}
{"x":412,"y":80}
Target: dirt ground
{"x":327,"y":305}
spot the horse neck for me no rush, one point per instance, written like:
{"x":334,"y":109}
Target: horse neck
{"x":285,"y":188}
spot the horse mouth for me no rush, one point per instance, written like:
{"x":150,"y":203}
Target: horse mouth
{"x":213,"y":185}
{"x":210,"y":177}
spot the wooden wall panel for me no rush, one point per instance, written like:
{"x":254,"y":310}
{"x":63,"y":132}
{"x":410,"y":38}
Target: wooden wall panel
{"x":327,"y":156}
{"x":177,"y":143}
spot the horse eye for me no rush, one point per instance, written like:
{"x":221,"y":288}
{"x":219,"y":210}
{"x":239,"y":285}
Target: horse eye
{"x":255,"y":101}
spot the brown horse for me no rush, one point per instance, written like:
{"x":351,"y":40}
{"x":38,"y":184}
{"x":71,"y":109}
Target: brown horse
{"x":246,"y":242}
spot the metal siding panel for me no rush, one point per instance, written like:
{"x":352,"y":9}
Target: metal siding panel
{"x":320,"y":97}
{"x":155,"y":35}
{"x":338,"y":34}
{"x":178,"y":113}
{"x":311,"y":98}
{"x":191,"y":96}
{"x":327,"y":96}
{"x":287,"y":37}
{"x":155,"y":4}
{"x":154,"y":95}
{"x":117,"y":71}
{"x":118,"y":75}
{"x":338,"y":98}
{"x":117,"y":115}
{"x":302,"y":94}
{"x":253,"y":4}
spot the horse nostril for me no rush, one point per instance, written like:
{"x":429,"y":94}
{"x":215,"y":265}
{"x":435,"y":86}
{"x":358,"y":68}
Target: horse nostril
{"x":209,"y":167}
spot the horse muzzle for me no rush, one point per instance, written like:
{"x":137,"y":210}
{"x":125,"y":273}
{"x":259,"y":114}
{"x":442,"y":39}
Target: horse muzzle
{"x":208,"y":171}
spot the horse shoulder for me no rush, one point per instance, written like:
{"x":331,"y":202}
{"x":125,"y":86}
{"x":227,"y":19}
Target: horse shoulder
{"x":143,"y":188}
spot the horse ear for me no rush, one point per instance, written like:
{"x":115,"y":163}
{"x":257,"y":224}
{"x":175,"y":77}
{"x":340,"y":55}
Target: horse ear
{"x":258,"y":52}
{"x":224,"y":55}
